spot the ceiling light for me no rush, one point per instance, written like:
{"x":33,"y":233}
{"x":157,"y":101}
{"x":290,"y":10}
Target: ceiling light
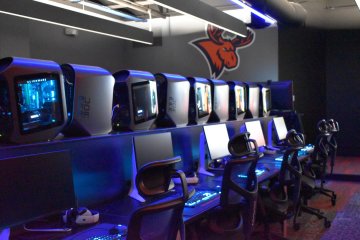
{"x":34,"y":10}
{"x":257,"y":13}
{"x":358,"y":3}
{"x":206,"y":13}
{"x":109,"y":10}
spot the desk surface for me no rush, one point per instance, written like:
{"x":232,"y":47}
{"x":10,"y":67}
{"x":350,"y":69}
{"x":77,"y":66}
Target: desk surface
{"x":119,"y":211}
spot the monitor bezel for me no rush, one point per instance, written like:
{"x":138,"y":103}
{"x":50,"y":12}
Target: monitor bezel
{"x":146,"y":82}
{"x":27,"y":77}
{"x":203,"y":113}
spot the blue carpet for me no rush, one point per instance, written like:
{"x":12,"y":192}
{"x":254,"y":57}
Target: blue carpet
{"x":346,"y":224}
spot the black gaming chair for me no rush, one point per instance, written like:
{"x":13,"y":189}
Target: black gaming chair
{"x":281,"y":200}
{"x":161,"y":217}
{"x":331,"y":141}
{"x":317,"y":167}
{"x":239,"y":187}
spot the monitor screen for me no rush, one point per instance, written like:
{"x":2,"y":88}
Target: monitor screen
{"x":144,"y":101}
{"x":39,"y":102}
{"x":240,"y":99}
{"x":203,"y":99}
{"x":217,"y":139}
{"x":256,"y":133}
{"x":153,"y":147}
{"x":34,"y":186}
{"x":280,"y":128}
{"x":266,"y":99}
{"x":254,"y":98}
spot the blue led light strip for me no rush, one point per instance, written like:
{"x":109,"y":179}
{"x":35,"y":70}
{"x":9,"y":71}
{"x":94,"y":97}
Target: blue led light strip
{"x":257,"y":13}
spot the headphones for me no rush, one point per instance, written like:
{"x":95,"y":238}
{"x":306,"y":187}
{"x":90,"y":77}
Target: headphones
{"x":294,"y":139}
{"x":80,"y":216}
{"x":323,"y":126}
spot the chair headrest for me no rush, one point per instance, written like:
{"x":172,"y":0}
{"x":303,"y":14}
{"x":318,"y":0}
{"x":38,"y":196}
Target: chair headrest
{"x":154,"y":178}
{"x":323,"y":126}
{"x":240,"y":145}
{"x":294,"y":139}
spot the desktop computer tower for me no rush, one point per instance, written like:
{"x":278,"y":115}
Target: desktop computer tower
{"x":89,"y":93}
{"x":173,"y":98}
{"x":220,"y":101}
{"x":135,"y":105}
{"x":200,"y":105}
{"x":33,"y":105}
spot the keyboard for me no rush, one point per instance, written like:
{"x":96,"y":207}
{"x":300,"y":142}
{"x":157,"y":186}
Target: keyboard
{"x":103,"y":231}
{"x":201,"y":196}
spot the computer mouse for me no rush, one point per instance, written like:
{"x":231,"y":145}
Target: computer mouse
{"x":118,"y":230}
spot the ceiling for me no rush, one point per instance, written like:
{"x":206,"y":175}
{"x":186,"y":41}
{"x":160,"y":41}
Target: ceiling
{"x":331,"y":14}
{"x":324,"y":14}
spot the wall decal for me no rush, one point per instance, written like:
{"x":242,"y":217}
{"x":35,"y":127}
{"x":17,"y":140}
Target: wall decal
{"x":220,"y":50}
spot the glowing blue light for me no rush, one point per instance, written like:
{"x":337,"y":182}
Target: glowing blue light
{"x":136,"y":73}
{"x":279,"y":159}
{"x":90,"y":69}
{"x":201,"y":80}
{"x":257,"y":13}
{"x":35,"y":63}
{"x":169,"y":75}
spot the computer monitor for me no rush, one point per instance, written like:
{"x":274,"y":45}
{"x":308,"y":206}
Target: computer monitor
{"x":220,"y":100}
{"x":256,"y":132}
{"x":282,"y":95}
{"x":152,"y":147}
{"x":280,"y":128}
{"x":90,"y":90}
{"x":35,"y":186}
{"x":200,"y":105}
{"x":34,"y":106}
{"x":253,"y":101}
{"x":217,"y":140}
{"x":237,"y":100}
{"x":135,"y":105}
{"x":265,"y":101}
{"x":173,"y":98}
{"x":147,"y":149}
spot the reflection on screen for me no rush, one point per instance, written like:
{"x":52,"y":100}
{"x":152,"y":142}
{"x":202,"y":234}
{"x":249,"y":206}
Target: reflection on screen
{"x":280,"y":127}
{"x":39,"y":102}
{"x":256,"y":133}
{"x":254,"y":98}
{"x":266,"y":99}
{"x":203,"y":99}
{"x":144,"y":101}
{"x":240,"y":99}
{"x":217,"y":139}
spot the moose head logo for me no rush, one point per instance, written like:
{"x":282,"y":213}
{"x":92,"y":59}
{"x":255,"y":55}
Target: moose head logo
{"x":221,"y":53}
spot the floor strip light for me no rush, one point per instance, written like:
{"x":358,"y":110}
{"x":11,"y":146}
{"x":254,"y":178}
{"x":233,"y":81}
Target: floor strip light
{"x":182,"y":7}
{"x":257,"y":13}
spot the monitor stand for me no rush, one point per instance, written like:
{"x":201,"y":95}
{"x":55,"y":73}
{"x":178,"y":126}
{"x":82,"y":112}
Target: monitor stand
{"x":203,"y":166}
{"x":134,"y":193}
{"x":5,"y":234}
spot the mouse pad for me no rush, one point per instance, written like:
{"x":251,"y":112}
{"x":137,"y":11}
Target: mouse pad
{"x":99,"y":231}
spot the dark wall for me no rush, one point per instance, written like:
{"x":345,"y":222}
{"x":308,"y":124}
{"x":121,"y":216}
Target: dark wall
{"x":302,"y":59}
{"x":343,"y":87}
{"x":24,"y":38}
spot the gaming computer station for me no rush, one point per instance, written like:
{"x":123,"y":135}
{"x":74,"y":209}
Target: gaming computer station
{"x":138,"y":146}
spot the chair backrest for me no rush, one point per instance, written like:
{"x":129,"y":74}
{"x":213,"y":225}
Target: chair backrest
{"x":160,"y":218}
{"x":239,"y":184}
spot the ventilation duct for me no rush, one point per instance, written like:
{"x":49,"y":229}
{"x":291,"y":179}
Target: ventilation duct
{"x":285,"y":12}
